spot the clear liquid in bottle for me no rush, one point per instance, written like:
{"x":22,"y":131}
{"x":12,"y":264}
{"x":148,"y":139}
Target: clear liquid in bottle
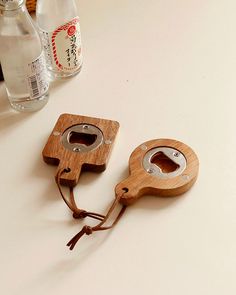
{"x":22,"y":59}
{"x":59,"y":28}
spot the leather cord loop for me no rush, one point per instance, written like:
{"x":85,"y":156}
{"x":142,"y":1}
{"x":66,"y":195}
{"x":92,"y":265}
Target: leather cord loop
{"x":77,"y":212}
{"x":89,"y":230}
{"x":80,"y":213}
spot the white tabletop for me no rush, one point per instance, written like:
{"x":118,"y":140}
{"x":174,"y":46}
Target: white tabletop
{"x":163,"y":69}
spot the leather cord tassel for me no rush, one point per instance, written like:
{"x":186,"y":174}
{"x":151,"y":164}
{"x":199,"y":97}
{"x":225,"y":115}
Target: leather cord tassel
{"x":88,"y":230}
{"x":77,"y":212}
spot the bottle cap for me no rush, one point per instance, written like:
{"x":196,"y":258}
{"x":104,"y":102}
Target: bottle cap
{"x":10,"y":4}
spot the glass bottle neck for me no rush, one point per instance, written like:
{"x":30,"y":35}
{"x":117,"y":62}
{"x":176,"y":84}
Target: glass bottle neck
{"x":11,"y":4}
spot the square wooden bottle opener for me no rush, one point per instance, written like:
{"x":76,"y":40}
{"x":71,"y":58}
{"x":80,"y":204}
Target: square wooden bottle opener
{"x":80,"y":143}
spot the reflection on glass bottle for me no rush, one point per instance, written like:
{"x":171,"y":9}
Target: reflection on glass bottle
{"x":1,"y":74}
{"x":22,"y":58}
{"x":59,"y":28}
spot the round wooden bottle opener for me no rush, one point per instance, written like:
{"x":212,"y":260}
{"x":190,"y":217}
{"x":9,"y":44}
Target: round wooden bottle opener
{"x":163,"y":167}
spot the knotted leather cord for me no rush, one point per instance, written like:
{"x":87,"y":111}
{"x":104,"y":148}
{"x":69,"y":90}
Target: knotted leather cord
{"x":77,"y":212}
{"x":80,"y":213}
{"x":88,"y":230}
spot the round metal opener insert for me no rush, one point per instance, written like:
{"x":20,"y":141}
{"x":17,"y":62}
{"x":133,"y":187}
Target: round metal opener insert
{"x":164,"y":162}
{"x":82,"y":138}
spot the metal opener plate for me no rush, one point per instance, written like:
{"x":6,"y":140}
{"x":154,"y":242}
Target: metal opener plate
{"x":172,"y":154}
{"x":83,"y":129}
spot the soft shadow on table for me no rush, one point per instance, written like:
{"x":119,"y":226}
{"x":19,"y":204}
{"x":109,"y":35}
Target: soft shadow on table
{"x":67,"y":265}
{"x":73,"y":261}
{"x":156,"y":203}
{"x":51,"y":194}
{"x":8,"y":116}
{"x":47,"y":172}
{"x":69,"y":262}
{"x":148,"y":202}
{"x":56,"y":84}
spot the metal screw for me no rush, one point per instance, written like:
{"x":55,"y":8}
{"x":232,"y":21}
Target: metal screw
{"x":150,"y":171}
{"x":86,"y":127}
{"x":185,"y":177}
{"x":143,"y":147}
{"x":76,"y":149}
{"x":108,"y":141}
{"x":176,"y":154}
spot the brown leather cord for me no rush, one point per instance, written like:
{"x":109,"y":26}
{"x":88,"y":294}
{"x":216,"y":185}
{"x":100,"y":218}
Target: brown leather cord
{"x":77,"y":212}
{"x":80,"y":213}
{"x":88,"y":230}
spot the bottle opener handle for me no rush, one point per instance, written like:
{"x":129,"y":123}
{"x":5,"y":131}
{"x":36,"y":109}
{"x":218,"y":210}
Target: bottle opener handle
{"x":162,"y":167}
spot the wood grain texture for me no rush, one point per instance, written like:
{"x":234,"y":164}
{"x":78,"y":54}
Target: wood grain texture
{"x":141,"y":183}
{"x":96,"y":160}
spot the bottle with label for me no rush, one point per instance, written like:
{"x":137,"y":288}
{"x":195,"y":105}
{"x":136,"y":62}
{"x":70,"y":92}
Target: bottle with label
{"x":59,"y":28}
{"x":22,"y":60}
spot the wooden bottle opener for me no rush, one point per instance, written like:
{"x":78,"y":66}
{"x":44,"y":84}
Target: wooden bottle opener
{"x":163,"y":167}
{"x":80,"y":143}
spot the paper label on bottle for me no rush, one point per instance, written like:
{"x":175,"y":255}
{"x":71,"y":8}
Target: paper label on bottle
{"x":63,"y":47}
{"x":37,"y":79}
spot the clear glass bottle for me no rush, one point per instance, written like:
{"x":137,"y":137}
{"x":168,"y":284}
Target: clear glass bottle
{"x":22,"y":58}
{"x":1,"y":74}
{"x":59,"y":27}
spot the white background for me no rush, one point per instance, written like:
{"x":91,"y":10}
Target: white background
{"x":163,"y":68}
